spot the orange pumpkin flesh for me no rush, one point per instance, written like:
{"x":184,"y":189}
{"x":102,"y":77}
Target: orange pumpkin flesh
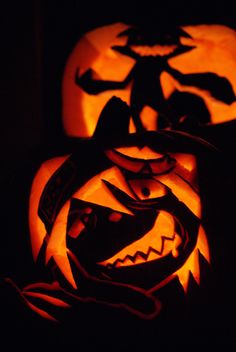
{"x":135,"y":223}
{"x":211,"y":50}
{"x":162,"y":238}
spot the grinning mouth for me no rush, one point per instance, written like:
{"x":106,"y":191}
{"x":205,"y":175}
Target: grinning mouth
{"x":154,"y":50}
{"x":152,"y":254}
{"x":154,"y":245}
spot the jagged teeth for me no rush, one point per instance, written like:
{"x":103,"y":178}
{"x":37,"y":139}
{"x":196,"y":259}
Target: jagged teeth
{"x":153,"y":255}
{"x":126,"y":262}
{"x":169,"y":245}
{"x":139,"y":259}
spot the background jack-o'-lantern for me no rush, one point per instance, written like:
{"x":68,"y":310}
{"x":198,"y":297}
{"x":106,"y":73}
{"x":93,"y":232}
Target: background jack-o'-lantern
{"x":179,"y":78}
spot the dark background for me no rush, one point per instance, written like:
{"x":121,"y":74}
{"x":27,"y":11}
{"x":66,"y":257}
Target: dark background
{"x":37,"y":37}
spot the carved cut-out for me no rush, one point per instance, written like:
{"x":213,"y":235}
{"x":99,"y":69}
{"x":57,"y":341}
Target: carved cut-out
{"x":182,"y":79}
{"x":130,"y":228}
{"x":121,"y":217}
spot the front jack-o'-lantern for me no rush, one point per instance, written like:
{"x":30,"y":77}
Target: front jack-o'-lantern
{"x":179,"y":78}
{"x":119,"y":223}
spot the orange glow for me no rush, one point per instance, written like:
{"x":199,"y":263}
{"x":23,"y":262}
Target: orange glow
{"x":219,"y":111}
{"x":53,"y":300}
{"x":192,"y":264}
{"x":168,"y":84}
{"x":43,"y":285}
{"x":149,"y":117}
{"x":215,"y":45}
{"x":144,"y":153}
{"x":150,"y":179}
{"x":161,"y":50}
{"x":40,"y":312}
{"x":115,"y":217}
{"x":147,"y":188}
{"x":160,"y":164}
{"x":91,"y":106}
{"x":37,"y":228}
{"x":183,"y":192}
{"x":96,"y":192}
{"x":81,"y":110}
{"x":77,"y":225}
{"x":76,"y":228}
{"x":214,"y":51}
{"x":186,"y":168}
{"x":93,"y":191}
{"x":56,"y":247}
{"x":187,"y":161}
{"x":120,"y":161}
{"x":132,"y":128}
{"x":161,"y":238}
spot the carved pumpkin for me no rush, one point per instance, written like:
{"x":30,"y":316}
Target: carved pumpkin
{"x":119,"y":223}
{"x":179,"y":80}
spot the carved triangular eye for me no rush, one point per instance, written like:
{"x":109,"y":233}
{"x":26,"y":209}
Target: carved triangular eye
{"x":147,"y":188}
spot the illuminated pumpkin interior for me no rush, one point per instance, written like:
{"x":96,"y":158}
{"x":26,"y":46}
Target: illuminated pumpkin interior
{"x":100,"y":69}
{"x":144,"y":208}
{"x":162,"y":239}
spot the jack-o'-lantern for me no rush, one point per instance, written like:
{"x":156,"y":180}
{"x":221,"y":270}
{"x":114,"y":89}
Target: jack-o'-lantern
{"x":177,"y":79}
{"x":118,"y":223}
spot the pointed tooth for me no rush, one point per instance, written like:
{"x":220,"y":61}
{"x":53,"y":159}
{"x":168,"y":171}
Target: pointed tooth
{"x":153,"y":255}
{"x":131,"y":261}
{"x":118,"y":264}
{"x":175,"y":252}
{"x":158,"y":243}
{"x":127,"y":261}
{"x":139,"y":259}
{"x":177,"y":240}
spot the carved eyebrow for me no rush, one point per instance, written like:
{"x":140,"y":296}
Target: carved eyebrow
{"x":219,"y":87}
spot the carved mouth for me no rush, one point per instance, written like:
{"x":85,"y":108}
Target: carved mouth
{"x":152,"y":254}
{"x":152,"y":246}
{"x":154,"y":50}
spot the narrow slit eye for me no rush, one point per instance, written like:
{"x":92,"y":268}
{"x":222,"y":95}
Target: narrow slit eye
{"x":146,"y":191}
{"x":147,"y":188}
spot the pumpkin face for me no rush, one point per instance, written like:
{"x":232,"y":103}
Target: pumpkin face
{"x":131,"y":220}
{"x":177,"y":80}
{"x":139,"y":222}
